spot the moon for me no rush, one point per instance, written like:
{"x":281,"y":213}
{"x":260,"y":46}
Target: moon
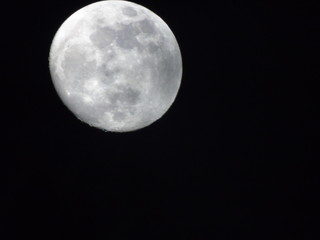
{"x":116,"y":65}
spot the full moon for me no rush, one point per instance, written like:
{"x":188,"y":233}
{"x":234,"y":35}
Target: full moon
{"x":116,"y":65}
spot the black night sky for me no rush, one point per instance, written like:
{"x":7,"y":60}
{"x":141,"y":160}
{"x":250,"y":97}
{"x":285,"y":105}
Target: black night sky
{"x":233,"y":158}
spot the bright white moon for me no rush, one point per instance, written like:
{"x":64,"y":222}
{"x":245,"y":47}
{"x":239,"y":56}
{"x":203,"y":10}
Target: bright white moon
{"x":116,"y":65}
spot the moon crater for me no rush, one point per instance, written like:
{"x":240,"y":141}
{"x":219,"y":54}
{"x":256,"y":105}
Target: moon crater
{"x":129,"y":11}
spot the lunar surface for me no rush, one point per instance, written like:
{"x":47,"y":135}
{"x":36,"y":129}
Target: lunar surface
{"x":116,"y":65}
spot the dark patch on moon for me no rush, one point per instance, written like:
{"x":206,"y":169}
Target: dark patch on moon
{"x":131,"y":96}
{"x":147,"y":26}
{"x":129,"y":11}
{"x":125,"y":95}
{"x":152,"y":47}
{"x":109,"y":72}
{"x":108,"y":56}
{"x":108,"y":75}
{"x":127,"y":37}
{"x":103,"y":37}
{"x":118,"y":116}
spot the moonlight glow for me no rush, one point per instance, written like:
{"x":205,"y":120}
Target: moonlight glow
{"x":116,"y":65}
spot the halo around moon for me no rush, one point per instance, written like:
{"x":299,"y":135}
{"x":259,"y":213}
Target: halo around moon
{"x":116,"y":65}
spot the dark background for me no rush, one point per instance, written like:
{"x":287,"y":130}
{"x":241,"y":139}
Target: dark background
{"x":233,"y":158}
